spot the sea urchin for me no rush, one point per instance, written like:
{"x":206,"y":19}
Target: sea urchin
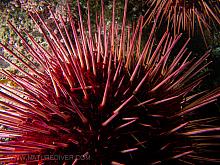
{"x":185,"y":15}
{"x":101,"y":94}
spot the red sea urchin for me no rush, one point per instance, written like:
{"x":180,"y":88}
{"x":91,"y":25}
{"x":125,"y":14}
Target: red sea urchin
{"x":185,"y":15}
{"x":101,"y":94}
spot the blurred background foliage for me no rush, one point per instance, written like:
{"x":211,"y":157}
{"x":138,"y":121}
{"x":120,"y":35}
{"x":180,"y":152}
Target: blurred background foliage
{"x":17,"y":12}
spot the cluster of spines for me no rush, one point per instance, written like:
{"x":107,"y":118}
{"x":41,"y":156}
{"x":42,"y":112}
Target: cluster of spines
{"x":183,"y":15}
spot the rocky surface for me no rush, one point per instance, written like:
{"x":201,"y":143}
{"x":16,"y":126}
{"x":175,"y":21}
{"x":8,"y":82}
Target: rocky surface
{"x":3,"y":64}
